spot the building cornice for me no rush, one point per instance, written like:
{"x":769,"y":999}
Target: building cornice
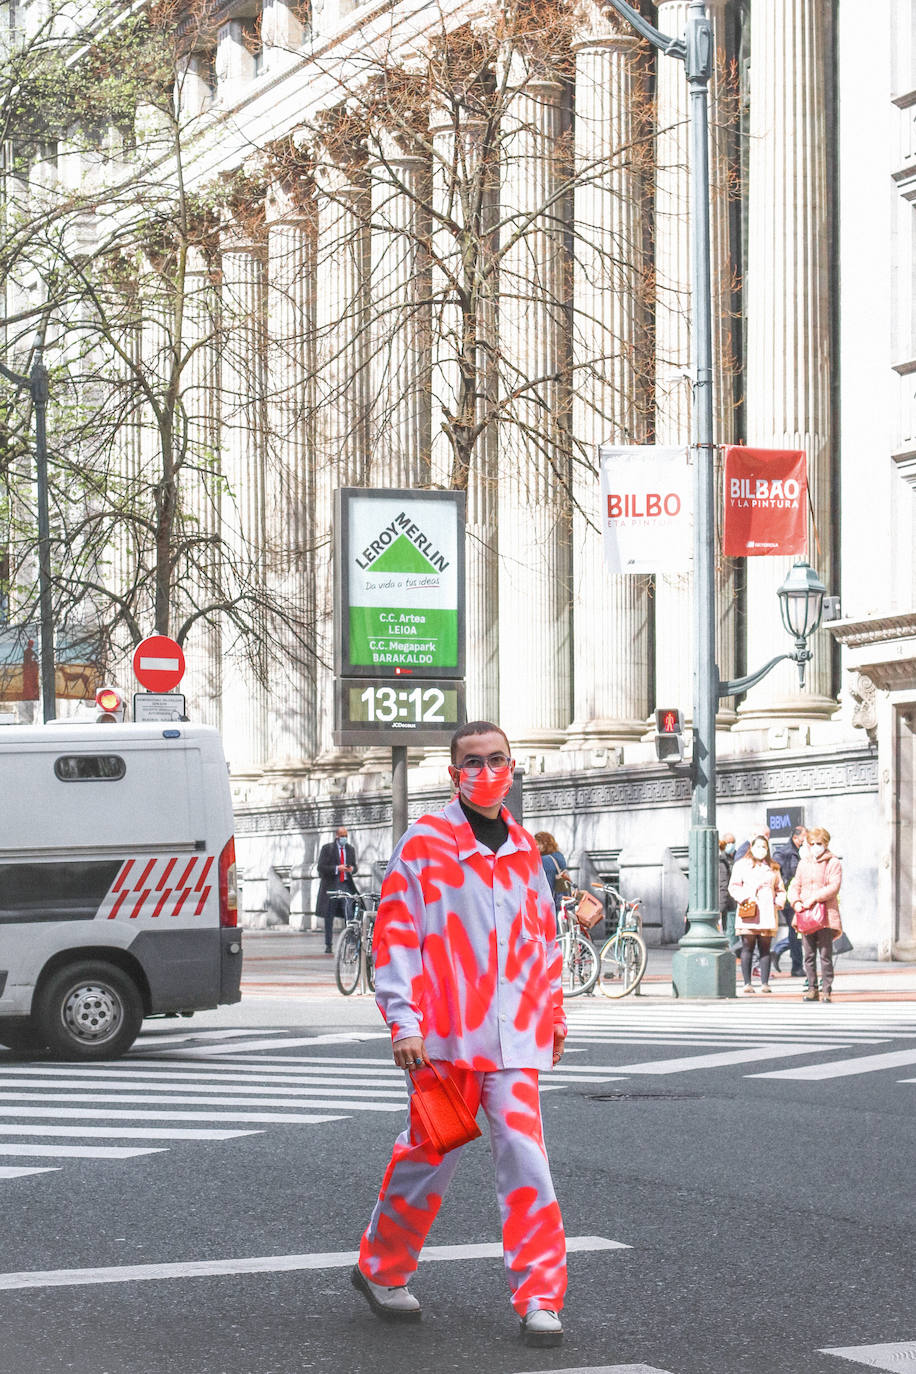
{"x":881,"y":648}
{"x":876,"y":629}
{"x":742,"y":778}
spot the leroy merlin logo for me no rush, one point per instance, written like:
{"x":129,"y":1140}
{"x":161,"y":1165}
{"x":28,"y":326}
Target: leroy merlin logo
{"x":402,"y":547}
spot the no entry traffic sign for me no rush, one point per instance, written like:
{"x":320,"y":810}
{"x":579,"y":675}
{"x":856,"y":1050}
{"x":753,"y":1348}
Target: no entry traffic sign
{"x":158,"y":663}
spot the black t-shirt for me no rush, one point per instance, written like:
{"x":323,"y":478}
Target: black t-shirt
{"x":492,"y":833}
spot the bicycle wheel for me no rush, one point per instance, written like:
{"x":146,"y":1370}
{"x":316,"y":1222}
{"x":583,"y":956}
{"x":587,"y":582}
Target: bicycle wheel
{"x":580,"y":967}
{"x":346,"y":965}
{"x":623,"y":962}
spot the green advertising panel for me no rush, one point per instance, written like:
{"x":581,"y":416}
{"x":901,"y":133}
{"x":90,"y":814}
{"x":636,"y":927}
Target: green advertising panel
{"x":401,"y":584}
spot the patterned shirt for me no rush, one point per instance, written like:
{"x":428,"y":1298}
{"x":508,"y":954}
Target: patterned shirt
{"x":465,"y":946}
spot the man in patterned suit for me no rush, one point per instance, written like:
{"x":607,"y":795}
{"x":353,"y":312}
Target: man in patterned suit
{"x":468,"y":977}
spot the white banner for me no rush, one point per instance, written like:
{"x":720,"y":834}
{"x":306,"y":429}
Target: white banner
{"x":646,"y":509}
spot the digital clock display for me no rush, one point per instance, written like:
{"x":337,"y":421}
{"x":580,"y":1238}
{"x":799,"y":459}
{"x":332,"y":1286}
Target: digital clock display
{"x":387,"y":712}
{"x":420,"y":705}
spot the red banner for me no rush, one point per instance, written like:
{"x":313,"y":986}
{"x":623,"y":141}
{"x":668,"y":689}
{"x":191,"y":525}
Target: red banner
{"x":766,"y":498}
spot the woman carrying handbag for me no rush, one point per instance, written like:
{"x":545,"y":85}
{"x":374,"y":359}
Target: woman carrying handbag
{"x":813,"y":894}
{"x":756,"y":884}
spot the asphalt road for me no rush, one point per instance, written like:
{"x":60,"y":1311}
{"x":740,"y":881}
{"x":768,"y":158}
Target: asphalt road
{"x":765,"y":1219}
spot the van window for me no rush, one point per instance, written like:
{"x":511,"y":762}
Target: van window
{"x":89,"y":767}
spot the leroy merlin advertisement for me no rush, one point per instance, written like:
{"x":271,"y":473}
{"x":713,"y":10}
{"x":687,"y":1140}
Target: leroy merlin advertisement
{"x":403,"y":579}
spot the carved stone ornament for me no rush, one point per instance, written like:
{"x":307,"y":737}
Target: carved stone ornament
{"x":865,"y":712}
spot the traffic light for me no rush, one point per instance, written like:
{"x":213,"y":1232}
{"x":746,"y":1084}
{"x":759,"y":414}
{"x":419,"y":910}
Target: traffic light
{"x":669,"y":735}
{"x":109,"y":706}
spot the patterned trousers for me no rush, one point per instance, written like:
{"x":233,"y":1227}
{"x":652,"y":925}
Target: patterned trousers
{"x":534,"y":1245}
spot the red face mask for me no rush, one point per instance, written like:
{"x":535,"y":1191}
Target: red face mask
{"x":487,"y":789}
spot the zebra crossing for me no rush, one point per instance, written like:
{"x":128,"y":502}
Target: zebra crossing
{"x":175,"y":1090}
{"x":764,"y":1040}
{"x":895,"y":1356}
{"x":180,"y":1088}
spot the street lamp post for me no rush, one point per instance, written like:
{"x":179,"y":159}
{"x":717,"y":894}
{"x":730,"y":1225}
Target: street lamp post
{"x":37,"y":384}
{"x":703,"y":965}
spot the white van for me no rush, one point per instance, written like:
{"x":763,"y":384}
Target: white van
{"x":117,"y":883}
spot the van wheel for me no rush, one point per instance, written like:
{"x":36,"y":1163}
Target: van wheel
{"x":88,"y":1011}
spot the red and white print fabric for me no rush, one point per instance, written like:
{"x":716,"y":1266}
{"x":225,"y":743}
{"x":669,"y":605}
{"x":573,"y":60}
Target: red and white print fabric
{"x":415,"y":1183}
{"x":465,"y":947}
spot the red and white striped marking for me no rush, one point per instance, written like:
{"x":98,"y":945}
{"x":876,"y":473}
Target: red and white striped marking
{"x":159,"y":888}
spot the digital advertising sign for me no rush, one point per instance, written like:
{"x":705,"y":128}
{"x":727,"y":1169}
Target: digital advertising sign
{"x":400,"y":583}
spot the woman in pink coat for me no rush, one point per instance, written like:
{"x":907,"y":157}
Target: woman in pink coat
{"x":815,"y":888}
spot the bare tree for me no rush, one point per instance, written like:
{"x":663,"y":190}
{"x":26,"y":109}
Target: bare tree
{"x":120,"y":263}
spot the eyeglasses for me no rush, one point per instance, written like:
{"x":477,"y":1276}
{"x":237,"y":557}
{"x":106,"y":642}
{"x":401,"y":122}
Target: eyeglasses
{"x":473,"y":765}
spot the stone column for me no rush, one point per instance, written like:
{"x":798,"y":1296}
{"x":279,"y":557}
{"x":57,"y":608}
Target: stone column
{"x":535,"y":665}
{"x":244,"y":496}
{"x":289,"y":520}
{"x":201,"y":479}
{"x":341,"y":394}
{"x":789,"y":349}
{"x":399,"y":173}
{"x":610,"y":381}
{"x":675,"y":368}
{"x":465,"y":375}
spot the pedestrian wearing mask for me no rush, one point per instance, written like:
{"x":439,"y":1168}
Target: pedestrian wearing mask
{"x":813,"y":896}
{"x":554,"y":865}
{"x":468,"y":978}
{"x":788,"y":859}
{"x":727,"y":902}
{"x":756,"y":884}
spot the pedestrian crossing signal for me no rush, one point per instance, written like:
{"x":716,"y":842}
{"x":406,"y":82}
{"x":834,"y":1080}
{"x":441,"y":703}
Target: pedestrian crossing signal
{"x":109,"y":706}
{"x":669,"y":734}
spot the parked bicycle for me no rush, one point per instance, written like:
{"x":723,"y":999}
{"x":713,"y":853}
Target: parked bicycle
{"x":580,"y":958}
{"x":355,"y":940}
{"x":623,"y":957}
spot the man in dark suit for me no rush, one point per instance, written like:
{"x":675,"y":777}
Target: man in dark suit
{"x":336,"y":866}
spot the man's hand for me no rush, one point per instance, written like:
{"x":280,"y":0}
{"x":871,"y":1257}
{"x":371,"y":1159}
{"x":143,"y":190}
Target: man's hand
{"x":559,"y":1040}
{"x":410,"y":1052}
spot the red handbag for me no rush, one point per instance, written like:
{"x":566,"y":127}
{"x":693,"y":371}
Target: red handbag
{"x":441,"y":1111}
{"x":812,"y":919}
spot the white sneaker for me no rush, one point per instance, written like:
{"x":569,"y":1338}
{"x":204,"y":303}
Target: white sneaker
{"x":394,"y":1304}
{"x":542,"y":1326}
{"x":747,"y":989}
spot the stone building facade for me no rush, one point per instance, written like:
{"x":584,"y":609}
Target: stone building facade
{"x":351,"y":380}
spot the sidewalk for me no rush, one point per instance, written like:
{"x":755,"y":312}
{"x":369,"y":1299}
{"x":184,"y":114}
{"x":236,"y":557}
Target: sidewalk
{"x":293,"y":964}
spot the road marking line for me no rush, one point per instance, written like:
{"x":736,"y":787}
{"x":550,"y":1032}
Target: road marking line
{"x":11,"y":1171}
{"x":148,"y":1039}
{"x":723,"y":1041}
{"x":844,"y":1068}
{"x":892,"y":1357}
{"x":683,"y":1063}
{"x":239,"y":1047}
{"x":299,"y":1118}
{"x":213,"y":1073}
{"x":264,"y":1264}
{"x":80,"y":1151}
{"x":132,"y":1132}
{"x":611,"y":1369}
{"x":242,"y":1093}
{"x":165,"y":1100}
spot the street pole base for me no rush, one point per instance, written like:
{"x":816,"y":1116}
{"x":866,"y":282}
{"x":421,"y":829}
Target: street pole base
{"x":703,"y":973}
